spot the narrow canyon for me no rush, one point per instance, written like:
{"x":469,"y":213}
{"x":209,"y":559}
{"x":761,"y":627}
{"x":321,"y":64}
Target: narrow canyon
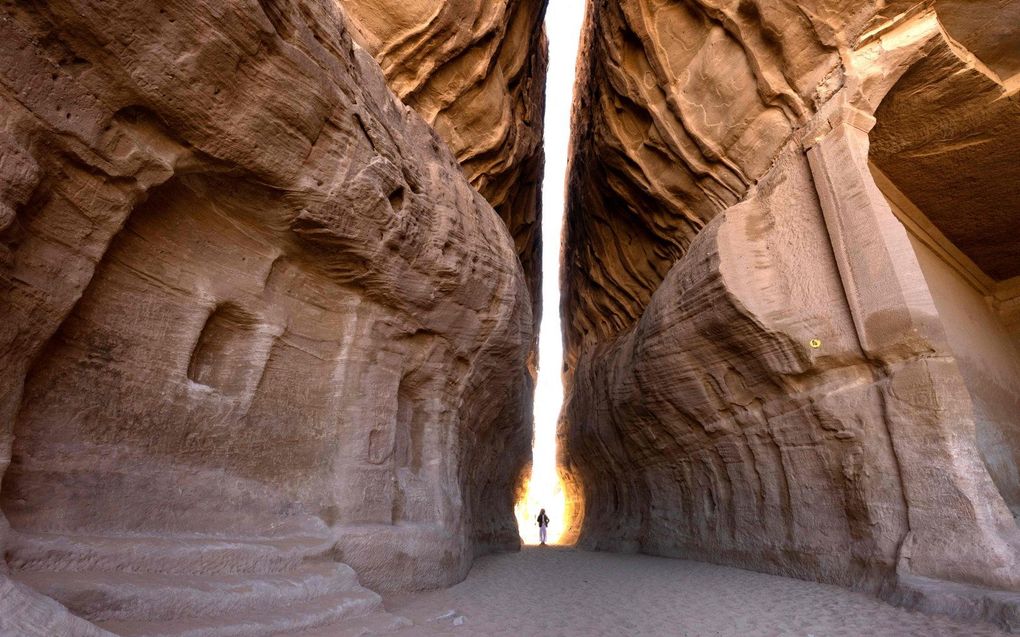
{"x":271,"y":275}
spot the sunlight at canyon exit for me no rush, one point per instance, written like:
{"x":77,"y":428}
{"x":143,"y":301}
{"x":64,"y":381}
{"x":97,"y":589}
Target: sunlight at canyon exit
{"x":543,"y":488}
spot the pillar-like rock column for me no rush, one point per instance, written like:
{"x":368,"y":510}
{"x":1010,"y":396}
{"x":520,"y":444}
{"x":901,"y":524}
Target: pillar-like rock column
{"x":889,"y":300}
{"x":953,"y":508}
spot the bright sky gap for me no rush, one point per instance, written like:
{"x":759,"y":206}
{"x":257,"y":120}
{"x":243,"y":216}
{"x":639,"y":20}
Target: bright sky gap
{"x":563,"y":26}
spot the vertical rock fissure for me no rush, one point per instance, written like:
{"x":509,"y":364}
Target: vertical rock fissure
{"x":545,"y":488}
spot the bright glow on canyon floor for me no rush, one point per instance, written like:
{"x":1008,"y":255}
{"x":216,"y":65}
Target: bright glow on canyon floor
{"x":544,"y":489}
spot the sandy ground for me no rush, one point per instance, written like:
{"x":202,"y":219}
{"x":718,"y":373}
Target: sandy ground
{"x":550,"y":592}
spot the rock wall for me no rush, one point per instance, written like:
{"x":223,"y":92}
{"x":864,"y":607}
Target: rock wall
{"x":663,"y":142}
{"x":757,"y":373}
{"x":257,"y":324}
{"x":476,"y":72}
{"x":943,"y":133}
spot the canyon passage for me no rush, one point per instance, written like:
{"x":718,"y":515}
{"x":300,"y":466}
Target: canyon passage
{"x":273,"y":272}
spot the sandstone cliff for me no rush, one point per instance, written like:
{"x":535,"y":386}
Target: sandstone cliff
{"x":257,"y":323}
{"x":476,"y":72}
{"x":776,"y":359}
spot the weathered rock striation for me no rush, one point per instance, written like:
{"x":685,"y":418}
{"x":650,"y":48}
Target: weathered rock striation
{"x":258,"y":327}
{"x":476,"y":72}
{"x":792,"y":347}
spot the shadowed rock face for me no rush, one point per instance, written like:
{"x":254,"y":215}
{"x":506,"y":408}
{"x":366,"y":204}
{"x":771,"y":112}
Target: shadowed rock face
{"x":257,"y":322}
{"x":476,"y":72}
{"x":775,"y":359}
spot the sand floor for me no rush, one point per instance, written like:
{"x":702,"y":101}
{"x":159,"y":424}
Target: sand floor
{"x":550,"y":592}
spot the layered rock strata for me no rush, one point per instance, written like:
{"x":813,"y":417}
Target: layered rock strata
{"x":777,"y":358}
{"x":257,"y":324}
{"x":476,"y":72}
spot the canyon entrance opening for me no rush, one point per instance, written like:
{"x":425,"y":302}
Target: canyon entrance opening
{"x":543,"y":486}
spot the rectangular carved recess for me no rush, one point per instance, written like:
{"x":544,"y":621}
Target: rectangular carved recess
{"x":223,"y":353}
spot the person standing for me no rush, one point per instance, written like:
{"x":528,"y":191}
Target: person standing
{"x":543,"y":526}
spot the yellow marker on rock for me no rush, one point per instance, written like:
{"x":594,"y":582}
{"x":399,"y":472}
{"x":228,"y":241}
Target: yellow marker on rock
{"x":815,"y":343}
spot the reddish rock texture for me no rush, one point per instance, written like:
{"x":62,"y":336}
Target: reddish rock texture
{"x":776,"y":359}
{"x":476,"y":72}
{"x":257,"y":324}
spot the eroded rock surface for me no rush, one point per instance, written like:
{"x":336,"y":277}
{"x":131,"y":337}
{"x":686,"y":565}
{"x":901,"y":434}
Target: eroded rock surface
{"x":476,"y":72}
{"x":257,"y":324}
{"x":773,"y":355}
